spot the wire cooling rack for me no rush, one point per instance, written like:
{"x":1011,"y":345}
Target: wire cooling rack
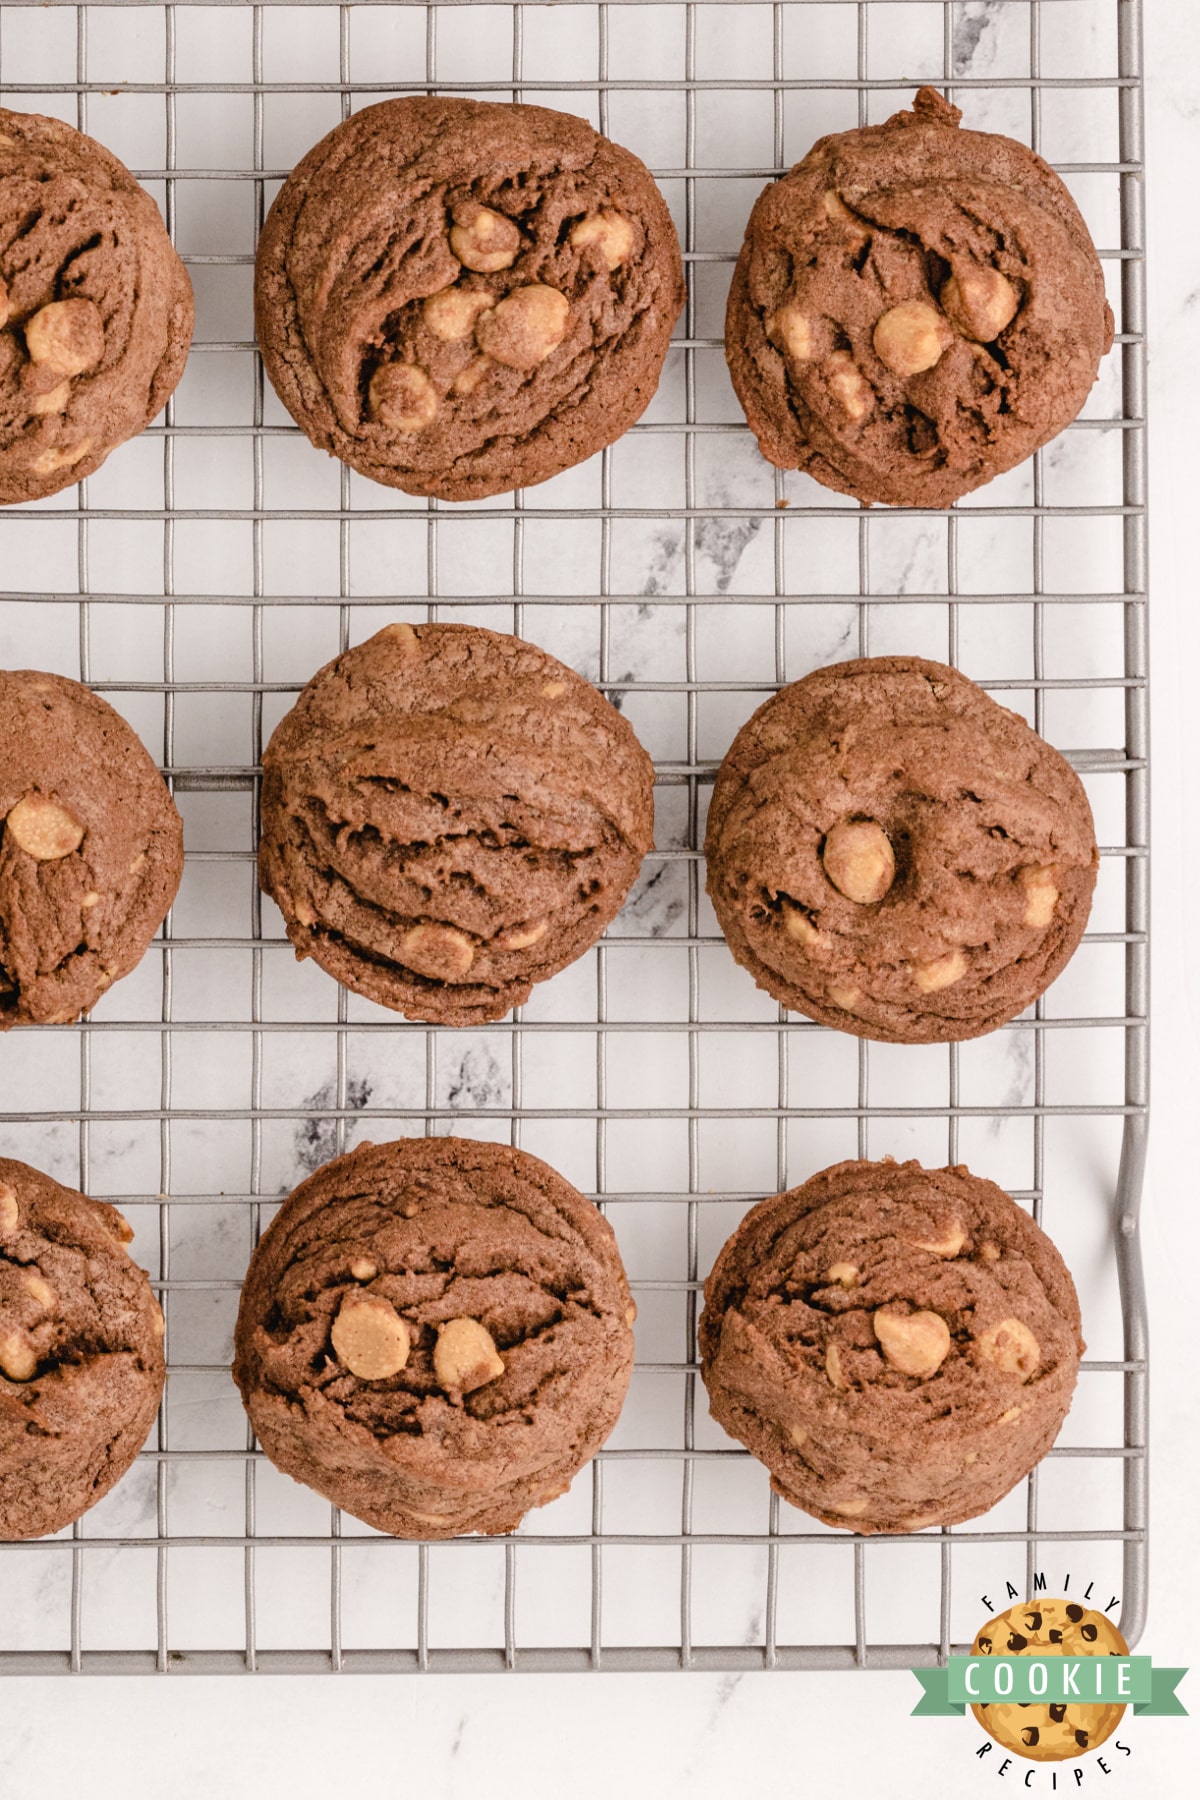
{"x":203,"y":574}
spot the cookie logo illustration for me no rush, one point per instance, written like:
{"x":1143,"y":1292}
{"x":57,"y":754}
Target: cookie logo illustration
{"x":1059,"y":1729}
{"x":1050,"y":1680}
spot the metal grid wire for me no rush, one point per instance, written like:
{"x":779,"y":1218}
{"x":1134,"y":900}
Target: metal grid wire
{"x":653,"y":1075}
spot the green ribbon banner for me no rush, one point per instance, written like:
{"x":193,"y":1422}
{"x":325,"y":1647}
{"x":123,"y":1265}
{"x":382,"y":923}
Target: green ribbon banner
{"x":1048,"y":1681}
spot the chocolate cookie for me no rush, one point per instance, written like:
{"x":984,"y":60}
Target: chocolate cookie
{"x":898,"y":1345}
{"x":434,"y":1334}
{"x":95,"y":307}
{"x":894,"y":854}
{"x":1045,"y":1628}
{"x":915,"y":309}
{"x":81,"y":1352}
{"x":450,"y":815}
{"x":459,"y":298}
{"x":91,"y":848}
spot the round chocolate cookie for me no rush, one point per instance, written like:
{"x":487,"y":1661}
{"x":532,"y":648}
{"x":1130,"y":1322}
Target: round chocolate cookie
{"x":435,"y":1334}
{"x":95,"y":307}
{"x":915,"y":309}
{"x":91,"y":848}
{"x":898,"y":1345}
{"x":448,"y":816}
{"x":81,"y":1352}
{"x":894,"y":854}
{"x":458,"y":298}
{"x":1045,"y":1628}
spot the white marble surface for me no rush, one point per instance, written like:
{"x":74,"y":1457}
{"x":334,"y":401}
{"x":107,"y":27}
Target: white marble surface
{"x":650,"y":1734}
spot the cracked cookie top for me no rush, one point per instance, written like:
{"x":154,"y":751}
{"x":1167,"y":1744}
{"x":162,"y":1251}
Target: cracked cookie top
{"x":894,"y":854}
{"x":458,"y":297}
{"x":91,"y":848}
{"x":450,"y":815}
{"x":898,"y":1345}
{"x":435,"y":1334}
{"x":81,"y":1352}
{"x":915,"y":309}
{"x":95,"y":306}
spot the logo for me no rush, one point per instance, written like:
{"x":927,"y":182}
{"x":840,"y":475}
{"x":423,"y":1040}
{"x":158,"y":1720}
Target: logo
{"x":1049,"y":1681}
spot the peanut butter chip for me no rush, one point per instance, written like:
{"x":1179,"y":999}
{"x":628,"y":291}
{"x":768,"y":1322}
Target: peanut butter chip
{"x":947,"y":1242}
{"x":67,"y":336}
{"x":18,"y":1358}
{"x":56,"y":400}
{"x":472,"y":375}
{"x":405,"y":638}
{"x":793,"y":331}
{"x":611,"y":232}
{"x":10,"y":1212}
{"x":914,"y":1343}
{"x":3,"y":298}
{"x":38,"y":1289}
{"x":426,"y":1518}
{"x":943,"y":972}
{"x":369,"y":1337}
{"x":1012,"y":1348}
{"x":116,"y":1224}
{"x":1041,"y":896}
{"x":799,"y":926}
{"x":844,"y":1273}
{"x":838,"y":213}
{"x":363,"y":1269}
{"x":451,"y":315}
{"x":849,"y":1509}
{"x":522,"y":937}
{"x":483,"y":241}
{"x":911,"y":337}
{"x":402,"y":397}
{"x":50,"y":461}
{"x":436,"y":951}
{"x":980,"y":302}
{"x":798,"y":1436}
{"x":849,"y":386}
{"x":859,"y":860}
{"x":834,"y":1372}
{"x":44,"y":829}
{"x":526,"y":326}
{"x":465,"y":1356}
